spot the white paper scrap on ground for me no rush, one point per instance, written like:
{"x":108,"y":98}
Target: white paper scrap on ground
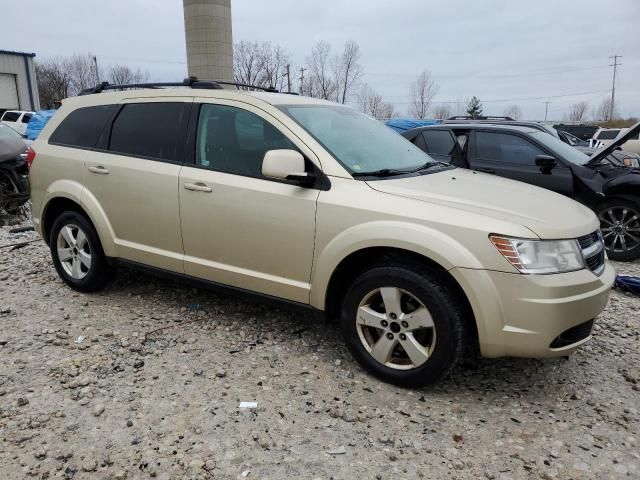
{"x":248,"y":404}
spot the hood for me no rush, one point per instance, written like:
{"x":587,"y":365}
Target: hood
{"x":620,"y":139}
{"x":547,"y":214}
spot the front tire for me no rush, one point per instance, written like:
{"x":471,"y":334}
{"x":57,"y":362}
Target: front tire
{"x":403,"y":324}
{"x":620,"y":226}
{"x":77,"y":253}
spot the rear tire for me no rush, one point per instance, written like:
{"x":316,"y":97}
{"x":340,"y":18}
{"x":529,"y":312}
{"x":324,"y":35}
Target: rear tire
{"x":620,"y":226}
{"x":77,"y":253}
{"x":404,"y":325}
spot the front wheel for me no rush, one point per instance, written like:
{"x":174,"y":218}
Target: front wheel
{"x":620,"y":226}
{"x":403,"y":324}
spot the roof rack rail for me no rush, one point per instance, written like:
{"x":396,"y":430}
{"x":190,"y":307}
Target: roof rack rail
{"x":191,"y":82}
{"x":482,"y":117}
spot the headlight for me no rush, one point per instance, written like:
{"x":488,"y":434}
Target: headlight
{"x":631,"y":162}
{"x":540,"y":256}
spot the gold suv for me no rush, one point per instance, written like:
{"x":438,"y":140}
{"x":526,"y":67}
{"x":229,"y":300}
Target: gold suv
{"x":313,"y":204}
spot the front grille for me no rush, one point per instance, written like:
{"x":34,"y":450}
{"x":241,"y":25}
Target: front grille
{"x":592,"y":247}
{"x":573,"y":335}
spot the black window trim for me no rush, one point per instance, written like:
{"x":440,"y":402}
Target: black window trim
{"x":322,"y":180}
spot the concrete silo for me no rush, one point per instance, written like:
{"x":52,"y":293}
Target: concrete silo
{"x":209,"y":39}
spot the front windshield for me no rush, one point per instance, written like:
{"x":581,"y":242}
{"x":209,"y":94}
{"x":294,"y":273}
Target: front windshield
{"x":358,"y":142}
{"x":565,"y":150}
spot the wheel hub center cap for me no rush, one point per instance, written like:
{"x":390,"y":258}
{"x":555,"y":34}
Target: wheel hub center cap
{"x":395,"y":327}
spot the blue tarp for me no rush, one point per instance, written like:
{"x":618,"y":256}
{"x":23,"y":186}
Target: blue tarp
{"x":402,"y":125}
{"x":37,"y":123}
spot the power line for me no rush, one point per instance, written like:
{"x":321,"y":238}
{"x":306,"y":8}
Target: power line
{"x":525,"y":98}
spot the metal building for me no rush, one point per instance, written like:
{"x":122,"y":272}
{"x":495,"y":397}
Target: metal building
{"x":18,"y":85}
{"x":209,"y":39}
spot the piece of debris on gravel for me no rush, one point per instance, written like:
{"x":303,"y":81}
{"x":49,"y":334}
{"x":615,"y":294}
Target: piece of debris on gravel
{"x":152,"y":391}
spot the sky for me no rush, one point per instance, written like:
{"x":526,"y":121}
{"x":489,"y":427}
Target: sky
{"x":503,"y":51}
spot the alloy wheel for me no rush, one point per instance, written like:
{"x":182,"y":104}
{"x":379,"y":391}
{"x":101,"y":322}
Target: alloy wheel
{"x":620,"y":228}
{"x":396,"y":328}
{"x":74,"y":251}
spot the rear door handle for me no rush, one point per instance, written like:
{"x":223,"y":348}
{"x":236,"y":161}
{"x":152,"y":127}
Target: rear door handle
{"x":198,"y":187}
{"x":99,"y":170}
{"x":486,"y":170}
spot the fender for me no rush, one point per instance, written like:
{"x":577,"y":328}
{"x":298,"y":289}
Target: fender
{"x":75,"y":192}
{"x":425,"y":241}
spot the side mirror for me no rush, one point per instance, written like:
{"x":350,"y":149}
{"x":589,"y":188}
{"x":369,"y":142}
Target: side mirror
{"x":546,"y":163}
{"x":286,"y":165}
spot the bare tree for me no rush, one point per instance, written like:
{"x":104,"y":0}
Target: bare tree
{"x":347,"y":70}
{"x":274,"y":60}
{"x":442,"y":111}
{"x":603,"y":111}
{"x":320,"y":82}
{"x":122,"y":74}
{"x":513,"y":111}
{"x":577,"y":112}
{"x":54,"y":81}
{"x":423,"y":89}
{"x":82,"y":70}
{"x":247,"y":62}
{"x":371,"y":103}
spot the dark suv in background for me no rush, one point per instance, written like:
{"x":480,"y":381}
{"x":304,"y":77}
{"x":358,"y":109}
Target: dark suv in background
{"x":533,"y":156}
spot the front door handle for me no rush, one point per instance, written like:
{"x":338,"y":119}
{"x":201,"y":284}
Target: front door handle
{"x":100,"y":170}
{"x":198,"y":187}
{"x":486,"y":170}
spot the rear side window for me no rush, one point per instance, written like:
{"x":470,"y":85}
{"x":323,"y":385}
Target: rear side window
{"x":26,"y":117}
{"x":439,"y":142}
{"x":11,"y":117}
{"x":151,"y":130}
{"x":608,"y":134}
{"x":82,"y":127}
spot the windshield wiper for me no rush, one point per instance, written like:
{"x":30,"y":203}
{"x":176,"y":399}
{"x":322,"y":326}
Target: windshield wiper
{"x":385,"y":172}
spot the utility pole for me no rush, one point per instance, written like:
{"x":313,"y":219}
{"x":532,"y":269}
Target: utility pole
{"x":289,"y":77}
{"x":546,"y":110}
{"x":95,"y":62}
{"x":615,"y":65}
{"x":302,"y":69}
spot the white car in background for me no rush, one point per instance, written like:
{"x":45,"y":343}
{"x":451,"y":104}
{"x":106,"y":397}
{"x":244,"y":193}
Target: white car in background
{"x":17,"y":120}
{"x":605,"y":136}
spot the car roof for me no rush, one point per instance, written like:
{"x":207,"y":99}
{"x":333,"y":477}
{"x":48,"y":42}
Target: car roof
{"x":477,"y":126}
{"x":115,"y":96}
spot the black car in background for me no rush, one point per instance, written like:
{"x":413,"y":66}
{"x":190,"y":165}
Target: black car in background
{"x":616,"y":157}
{"x":533,"y":156}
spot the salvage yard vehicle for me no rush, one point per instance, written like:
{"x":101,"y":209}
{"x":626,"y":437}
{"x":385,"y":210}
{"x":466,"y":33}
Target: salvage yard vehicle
{"x":617,"y":157}
{"x":309,"y":203}
{"x":16,"y":120}
{"x":14,"y":182}
{"x":533,"y":156}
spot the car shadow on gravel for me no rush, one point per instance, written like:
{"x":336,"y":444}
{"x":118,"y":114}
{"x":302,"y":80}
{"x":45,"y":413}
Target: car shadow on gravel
{"x":502,"y":376}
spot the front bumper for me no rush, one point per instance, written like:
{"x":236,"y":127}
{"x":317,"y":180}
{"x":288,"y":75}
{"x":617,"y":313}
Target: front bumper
{"x":534,"y":315}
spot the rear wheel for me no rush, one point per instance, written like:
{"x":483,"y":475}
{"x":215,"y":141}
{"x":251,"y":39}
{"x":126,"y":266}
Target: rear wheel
{"x":77,"y":253}
{"x":403,"y":325}
{"x":620,"y":225}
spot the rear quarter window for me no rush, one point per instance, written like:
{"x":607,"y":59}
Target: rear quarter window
{"x":82,"y":127}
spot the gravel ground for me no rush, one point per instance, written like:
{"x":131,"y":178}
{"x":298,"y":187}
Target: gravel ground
{"x":145,"y":380}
